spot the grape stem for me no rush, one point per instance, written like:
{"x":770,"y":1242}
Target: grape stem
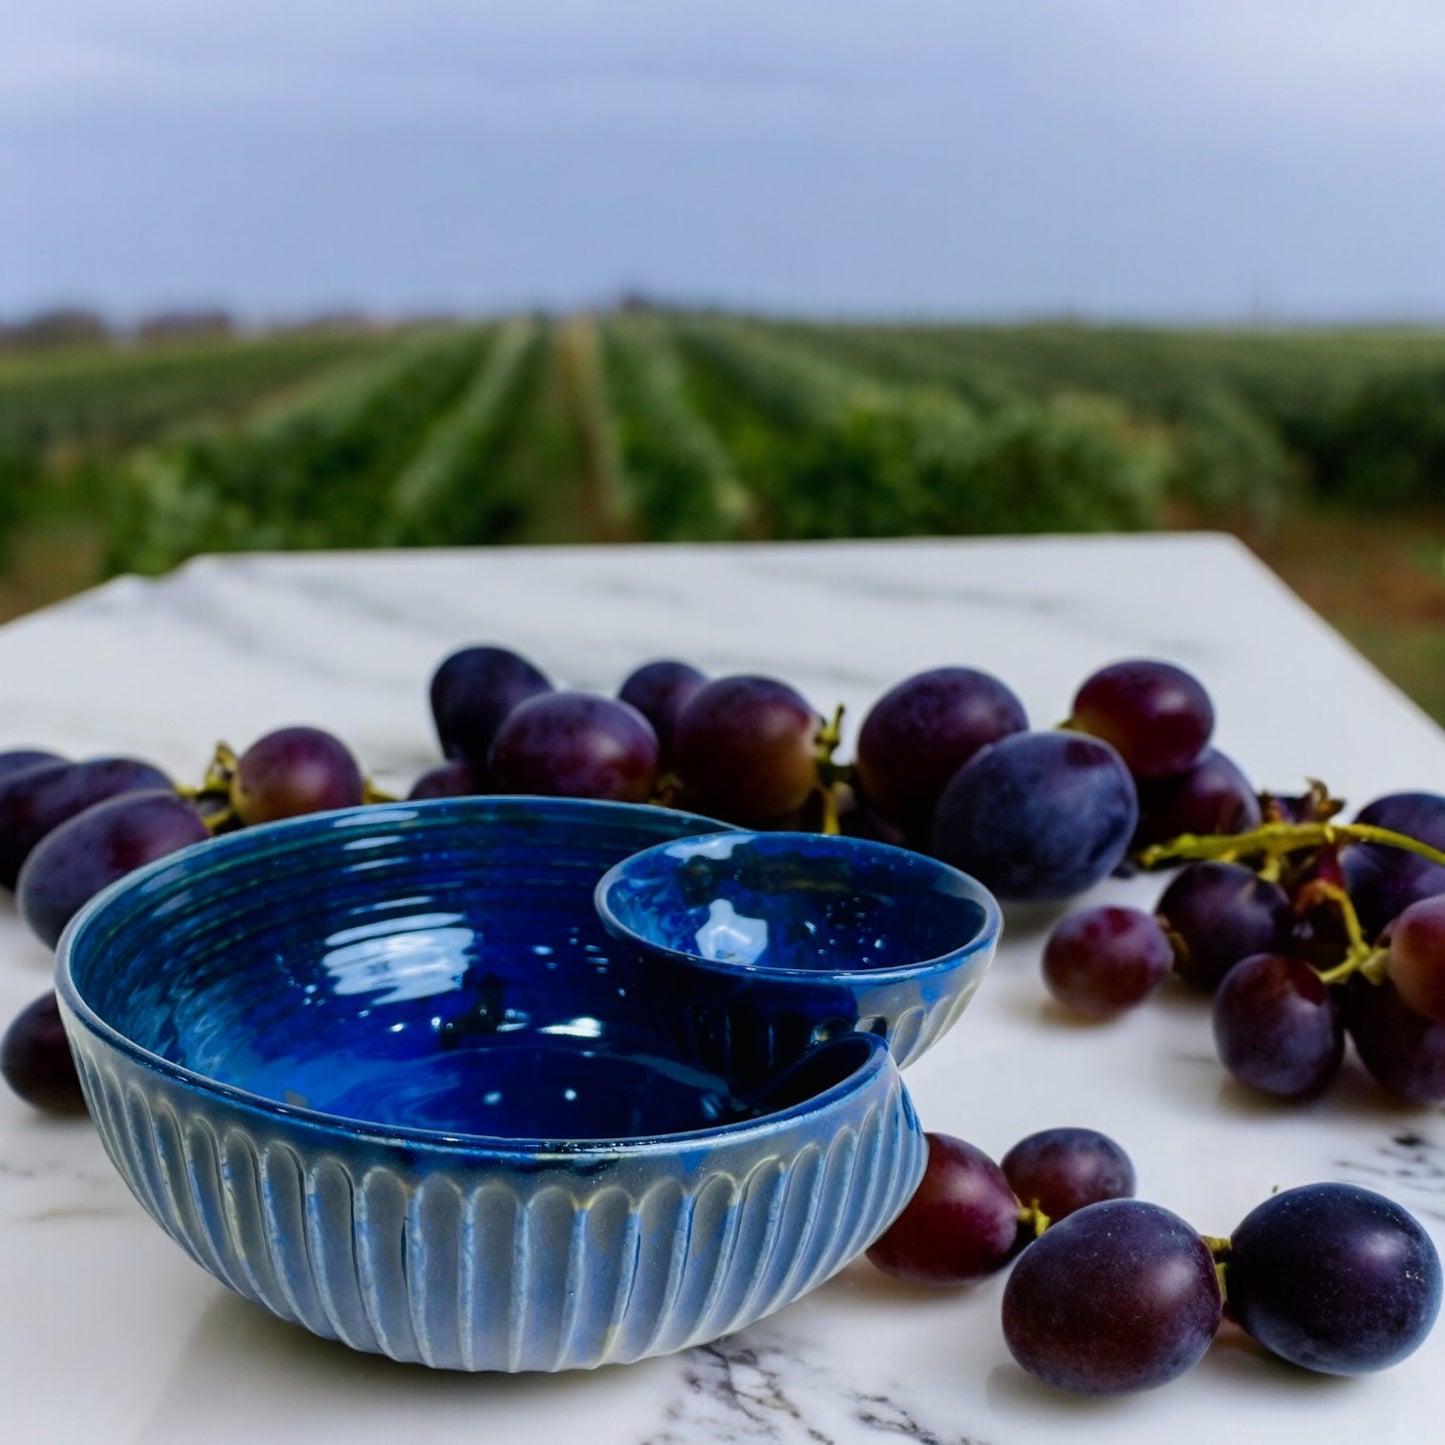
{"x":830,"y":773}
{"x":1220,"y":1245}
{"x":1275,"y":840}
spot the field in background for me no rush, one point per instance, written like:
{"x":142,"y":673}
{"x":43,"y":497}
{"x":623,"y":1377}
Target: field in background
{"x":1325,"y":451}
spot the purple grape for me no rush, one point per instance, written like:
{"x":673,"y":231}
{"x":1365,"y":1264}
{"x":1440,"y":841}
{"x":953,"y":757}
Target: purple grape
{"x":34,"y":800}
{"x":1335,"y":1278}
{"x":1037,"y":815}
{"x":86,"y":853}
{"x":18,"y":760}
{"x":1415,"y":962}
{"x":1384,"y":881}
{"x":1213,"y":796}
{"x":659,"y":691}
{"x":961,"y":1224}
{"x":1157,"y":716}
{"x":36,"y":1061}
{"x":1102,"y":961}
{"x":455,"y":779}
{"x":1061,"y":1171}
{"x":472,"y":693}
{"x":1219,"y":913}
{"x":576,"y":745}
{"x":746,"y":749}
{"x":293,"y":771}
{"x":1277,"y":1028}
{"x":1403,"y":1050}
{"x":918,"y":735}
{"x":1119,"y":1296}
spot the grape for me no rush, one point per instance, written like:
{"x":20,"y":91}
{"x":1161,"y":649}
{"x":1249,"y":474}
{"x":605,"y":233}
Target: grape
{"x":1156,"y":715}
{"x":18,"y":760}
{"x":659,"y":691}
{"x":1213,"y":796}
{"x":576,"y":745}
{"x":455,"y":779}
{"x":1333,"y":1277}
{"x":36,"y":1060}
{"x":1277,"y":1027}
{"x":73,"y":862}
{"x":292,"y":771}
{"x":473,"y":691}
{"x":1102,"y":961}
{"x":1037,"y":815}
{"x":1416,"y":958}
{"x":1119,"y":1296}
{"x":918,"y":735}
{"x":33,"y":800}
{"x":1219,"y":913}
{"x":961,"y":1224}
{"x":746,"y":749}
{"x":1059,"y":1171}
{"x":1384,"y":881}
{"x":1400,"y":1048}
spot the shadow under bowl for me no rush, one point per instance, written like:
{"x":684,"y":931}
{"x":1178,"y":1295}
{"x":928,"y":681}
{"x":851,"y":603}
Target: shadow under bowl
{"x":383,"y":1072}
{"x":778,"y":940}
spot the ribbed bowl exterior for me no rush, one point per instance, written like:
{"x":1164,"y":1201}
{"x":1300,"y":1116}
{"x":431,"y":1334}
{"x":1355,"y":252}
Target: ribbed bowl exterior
{"x":467,"y":1257}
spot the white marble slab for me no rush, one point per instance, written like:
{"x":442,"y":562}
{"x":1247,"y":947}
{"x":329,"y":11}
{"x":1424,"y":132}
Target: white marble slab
{"x":108,"y":1333}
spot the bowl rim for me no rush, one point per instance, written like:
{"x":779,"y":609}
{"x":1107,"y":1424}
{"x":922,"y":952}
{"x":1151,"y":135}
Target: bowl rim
{"x":982,"y":942}
{"x":78,"y":1014}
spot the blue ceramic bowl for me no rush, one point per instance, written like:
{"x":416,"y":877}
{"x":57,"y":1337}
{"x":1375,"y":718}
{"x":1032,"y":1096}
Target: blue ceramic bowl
{"x":778,"y":939}
{"x":383,"y":1072}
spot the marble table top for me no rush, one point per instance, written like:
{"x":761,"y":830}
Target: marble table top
{"x":108,"y":1333}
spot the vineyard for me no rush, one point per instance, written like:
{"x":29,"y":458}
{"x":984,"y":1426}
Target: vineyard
{"x":652,"y":425}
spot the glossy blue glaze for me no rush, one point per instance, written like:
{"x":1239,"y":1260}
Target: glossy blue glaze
{"x":765,"y":941}
{"x":384,"y":1072}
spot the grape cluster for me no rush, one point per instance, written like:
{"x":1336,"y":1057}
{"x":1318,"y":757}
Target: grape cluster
{"x":1110,"y":1293}
{"x":70,"y":829}
{"x":1303,"y":930}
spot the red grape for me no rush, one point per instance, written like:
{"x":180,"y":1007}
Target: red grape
{"x":36,"y":1061}
{"x":1400,"y":1048}
{"x":473,"y":691}
{"x":456,"y":778}
{"x":1060,"y":1171}
{"x":1037,"y":815}
{"x":746,"y":749}
{"x":918,"y":735}
{"x":73,"y":862}
{"x":1384,"y":881}
{"x":659,"y":691}
{"x":1277,"y":1027}
{"x":292,"y":771}
{"x":1335,"y":1278}
{"x":1416,"y":959}
{"x":1119,"y":1296}
{"x":961,"y":1224}
{"x":1213,"y":796}
{"x":33,"y":800}
{"x":1219,"y":913}
{"x":1158,"y":716}
{"x":576,"y":745}
{"x":1102,"y":961}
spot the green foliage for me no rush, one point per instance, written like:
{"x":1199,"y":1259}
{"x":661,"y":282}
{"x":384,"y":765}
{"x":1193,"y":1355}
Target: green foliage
{"x":679,"y":481}
{"x":313,"y":472}
{"x":446,"y":495}
{"x":834,"y":453}
{"x":1384,"y":444}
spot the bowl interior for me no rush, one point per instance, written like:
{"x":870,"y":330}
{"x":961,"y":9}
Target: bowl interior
{"x":435,"y":966}
{"x":795,"y":902}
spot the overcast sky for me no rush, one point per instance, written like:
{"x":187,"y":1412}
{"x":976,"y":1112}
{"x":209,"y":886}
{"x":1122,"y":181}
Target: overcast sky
{"x":1128,"y":158}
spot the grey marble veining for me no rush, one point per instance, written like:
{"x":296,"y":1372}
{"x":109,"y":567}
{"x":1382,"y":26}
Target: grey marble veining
{"x":113,"y":1335}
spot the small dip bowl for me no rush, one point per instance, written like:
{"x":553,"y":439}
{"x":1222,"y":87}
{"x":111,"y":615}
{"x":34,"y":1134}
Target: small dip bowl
{"x":383,"y":1072}
{"x":776,"y":940}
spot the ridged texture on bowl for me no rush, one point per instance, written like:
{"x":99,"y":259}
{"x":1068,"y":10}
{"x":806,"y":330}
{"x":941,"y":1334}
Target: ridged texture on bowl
{"x":440,"y":1254}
